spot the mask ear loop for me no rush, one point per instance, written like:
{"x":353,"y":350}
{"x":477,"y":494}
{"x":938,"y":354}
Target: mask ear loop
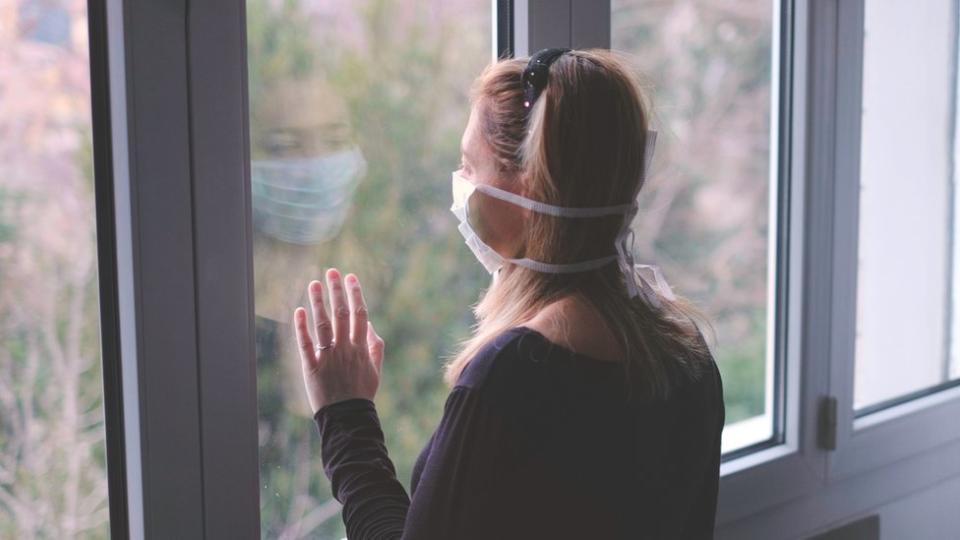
{"x":624,"y":255}
{"x":660,"y":283}
{"x":637,"y":284}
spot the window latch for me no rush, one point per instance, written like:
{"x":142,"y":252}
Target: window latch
{"x":827,"y":438}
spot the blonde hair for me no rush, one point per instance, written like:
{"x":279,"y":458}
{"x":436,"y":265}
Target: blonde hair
{"x":582,"y":145}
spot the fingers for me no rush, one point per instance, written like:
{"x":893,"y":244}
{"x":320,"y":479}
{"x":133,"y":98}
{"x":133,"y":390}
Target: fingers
{"x":307,"y":354}
{"x":321,"y":320}
{"x":375,"y":346}
{"x":350,"y":321}
{"x":339,"y":307}
{"x":358,"y":311}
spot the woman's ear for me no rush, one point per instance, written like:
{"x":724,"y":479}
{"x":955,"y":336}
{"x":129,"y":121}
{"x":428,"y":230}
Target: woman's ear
{"x":527,"y":214}
{"x":522,"y":181}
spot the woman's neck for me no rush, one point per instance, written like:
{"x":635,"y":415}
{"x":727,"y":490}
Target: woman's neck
{"x":575,"y":324}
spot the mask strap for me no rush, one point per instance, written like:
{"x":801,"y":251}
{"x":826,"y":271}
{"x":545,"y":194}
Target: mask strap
{"x":565,"y":268}
{"x":637,"y":284}
{"x":625,"y":239}
{"x":544,"y":208}
{"x":651,"y":145}
{"x":660,"y":282}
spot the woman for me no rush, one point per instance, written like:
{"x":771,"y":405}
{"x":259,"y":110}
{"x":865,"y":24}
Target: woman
{"x":586,"y":404}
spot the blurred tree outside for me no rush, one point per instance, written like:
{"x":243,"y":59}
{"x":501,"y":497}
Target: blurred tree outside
{"x":52,"y":459}
{"x":704,"y":214}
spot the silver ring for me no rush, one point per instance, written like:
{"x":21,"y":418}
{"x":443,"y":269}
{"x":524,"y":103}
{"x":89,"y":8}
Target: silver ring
{"x":324,"y":347}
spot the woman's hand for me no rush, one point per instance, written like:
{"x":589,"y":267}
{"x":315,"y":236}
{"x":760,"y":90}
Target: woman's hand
{"x":345,"y":360}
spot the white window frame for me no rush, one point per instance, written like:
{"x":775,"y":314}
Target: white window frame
{"x":771,"y":491}
{"x":887,"y":454}
{"x":920,"y":425}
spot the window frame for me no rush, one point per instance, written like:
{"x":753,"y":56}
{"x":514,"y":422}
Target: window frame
{"x":107,"y":273}
{"x":897,"y":451}
{"x":173,"y":205}
{"x":921,"y":424}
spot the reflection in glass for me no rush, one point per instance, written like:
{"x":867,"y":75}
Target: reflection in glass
{"x":707,"y":215}
{"x":302,"y":183}
{"x":906,"y":284}
{"x":356,"y":114}
{"x":53,"y":476}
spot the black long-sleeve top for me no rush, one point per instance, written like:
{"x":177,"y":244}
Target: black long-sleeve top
{"x":533,"y":444}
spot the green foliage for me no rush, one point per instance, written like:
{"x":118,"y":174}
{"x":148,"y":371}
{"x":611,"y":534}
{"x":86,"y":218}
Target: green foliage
{"x":8,"y":203}
{"x":743,"y":371}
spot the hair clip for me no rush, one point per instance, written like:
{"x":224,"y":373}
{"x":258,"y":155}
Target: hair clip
{"x":535,"y":74}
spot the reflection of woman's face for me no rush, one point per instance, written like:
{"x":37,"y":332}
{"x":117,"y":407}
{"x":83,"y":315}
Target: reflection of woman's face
{"x":498,"y":223}
{"x":300,"y":119}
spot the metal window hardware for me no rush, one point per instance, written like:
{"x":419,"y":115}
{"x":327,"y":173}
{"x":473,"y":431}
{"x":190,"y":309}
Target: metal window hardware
{"x":827,"y":436}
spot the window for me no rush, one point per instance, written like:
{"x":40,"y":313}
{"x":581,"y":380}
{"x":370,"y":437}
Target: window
{"x":710,"y":211}
{"x":351,"y":160}
{"x":907,"y":286}
{"x":769,"y":205}
{"x":53,"y":477}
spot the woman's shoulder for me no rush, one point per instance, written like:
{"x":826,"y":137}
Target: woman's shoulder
{"x":520,"y":359}
{"x":501,"y":357}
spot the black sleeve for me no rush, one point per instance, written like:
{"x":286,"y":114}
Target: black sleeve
{"x":362,"y":477}
{"x":463,"y":489}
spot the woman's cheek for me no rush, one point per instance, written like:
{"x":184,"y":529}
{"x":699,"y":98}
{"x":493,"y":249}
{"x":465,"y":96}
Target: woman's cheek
{"x":499,"y":225}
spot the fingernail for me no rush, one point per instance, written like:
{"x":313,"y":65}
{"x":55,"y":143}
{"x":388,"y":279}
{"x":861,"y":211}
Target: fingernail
{"x":352,"y":279}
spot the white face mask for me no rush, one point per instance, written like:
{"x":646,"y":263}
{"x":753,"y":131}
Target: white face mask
{"x":463,"y":189}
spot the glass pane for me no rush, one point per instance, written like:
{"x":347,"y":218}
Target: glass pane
{"x":53,"y":477}
{"x":356,"y":114}
{"x":708,"y":216}
{"x":905,"y":318}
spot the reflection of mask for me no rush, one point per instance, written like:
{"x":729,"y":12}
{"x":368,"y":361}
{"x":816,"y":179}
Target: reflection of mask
{"x":465,"y":208}
{"x":304,"y":200}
